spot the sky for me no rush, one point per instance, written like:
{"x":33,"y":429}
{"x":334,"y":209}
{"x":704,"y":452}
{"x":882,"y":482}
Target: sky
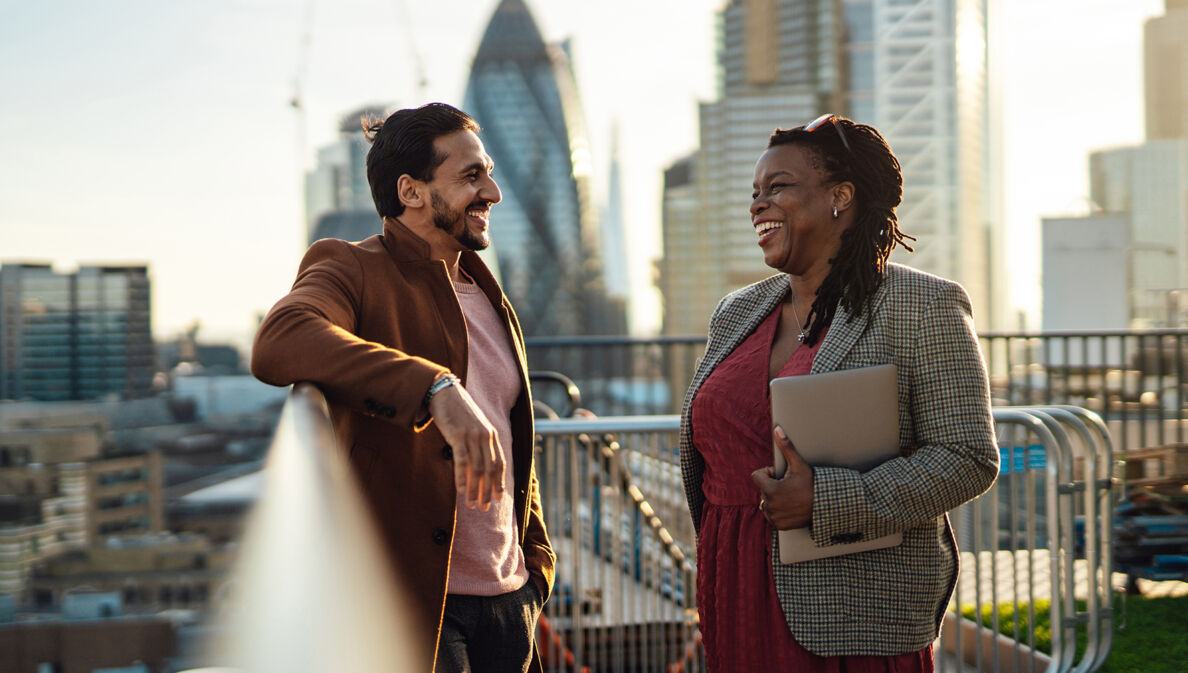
{"x":143,"y":131}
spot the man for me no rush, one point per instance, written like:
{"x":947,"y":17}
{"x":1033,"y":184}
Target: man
{"x":422,"y":362}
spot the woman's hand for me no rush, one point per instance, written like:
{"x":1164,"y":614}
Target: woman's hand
{"x":787,"y":502}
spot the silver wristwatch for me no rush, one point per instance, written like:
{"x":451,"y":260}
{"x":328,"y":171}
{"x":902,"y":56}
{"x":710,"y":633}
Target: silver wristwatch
{"x":439,"y":384}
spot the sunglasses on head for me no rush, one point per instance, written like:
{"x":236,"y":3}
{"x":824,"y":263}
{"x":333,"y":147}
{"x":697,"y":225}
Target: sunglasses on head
{"x":832,"y":119}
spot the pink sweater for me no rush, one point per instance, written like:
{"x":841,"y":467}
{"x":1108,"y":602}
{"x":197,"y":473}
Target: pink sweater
{"x":486,"y":559}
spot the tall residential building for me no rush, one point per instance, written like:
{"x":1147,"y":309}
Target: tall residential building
{"x":1166,"y":68}
{"x":74,"y":336}
{"x":778,"y":65}
{"x":688,"y":244}
{"x":338,"y":201}
{"x":915,"y":69}
{"x":544,"y":233}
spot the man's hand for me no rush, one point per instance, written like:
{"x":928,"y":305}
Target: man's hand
{"x":478,"y":457}
{"x":787,"y":502}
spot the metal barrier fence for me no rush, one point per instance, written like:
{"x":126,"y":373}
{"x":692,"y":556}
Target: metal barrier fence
{"x":616,"y":514}
{"x":312,"y":590}
{"x":1043,"y":533}
{"x":626,"y":602}
{"x":1136,"y":380}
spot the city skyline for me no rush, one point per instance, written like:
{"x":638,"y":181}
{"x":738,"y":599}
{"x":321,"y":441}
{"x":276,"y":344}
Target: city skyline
{"x":916,"y":70}
{"x":166,"y":140}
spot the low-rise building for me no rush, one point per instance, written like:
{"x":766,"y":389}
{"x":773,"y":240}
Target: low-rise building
{"x":64,"y":491}
{"x":149,"y":573}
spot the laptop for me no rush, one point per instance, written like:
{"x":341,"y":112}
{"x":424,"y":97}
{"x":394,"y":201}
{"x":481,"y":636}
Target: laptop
{"x":847,"y":418}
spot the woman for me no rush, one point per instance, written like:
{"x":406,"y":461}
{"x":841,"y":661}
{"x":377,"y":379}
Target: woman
{"x":823,"y":208}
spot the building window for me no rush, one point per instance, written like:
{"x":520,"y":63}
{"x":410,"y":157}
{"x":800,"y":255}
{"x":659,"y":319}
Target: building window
{"x":14,"y":456}
{"x":121,"y":476}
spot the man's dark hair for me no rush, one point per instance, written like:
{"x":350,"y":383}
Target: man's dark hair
{"x":403,"y":144}
{"x":869,"y":164}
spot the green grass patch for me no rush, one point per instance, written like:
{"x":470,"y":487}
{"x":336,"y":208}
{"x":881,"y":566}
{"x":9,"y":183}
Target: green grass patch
{"x":1153,"y":637}
{"x":1151,"y":634}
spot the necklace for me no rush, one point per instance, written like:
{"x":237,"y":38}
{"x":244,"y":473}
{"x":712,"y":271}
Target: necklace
{"x":799,"y":337}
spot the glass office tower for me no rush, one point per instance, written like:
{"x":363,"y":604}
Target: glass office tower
{"x":915,"y":69}
{"x":74,"y":336}
{"x":544,"y":234}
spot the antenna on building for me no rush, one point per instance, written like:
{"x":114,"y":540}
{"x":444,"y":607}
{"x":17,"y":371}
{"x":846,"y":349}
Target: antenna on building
{"x":297,"y":102}
{"x":405,"y":19}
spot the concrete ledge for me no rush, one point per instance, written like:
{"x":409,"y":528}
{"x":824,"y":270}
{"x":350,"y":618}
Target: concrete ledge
{"x":991,"y":643}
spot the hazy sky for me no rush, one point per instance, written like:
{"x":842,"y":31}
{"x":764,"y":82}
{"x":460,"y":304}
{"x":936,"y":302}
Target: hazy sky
{"x":162,"y":132}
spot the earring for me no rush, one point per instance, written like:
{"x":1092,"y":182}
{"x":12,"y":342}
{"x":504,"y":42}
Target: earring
{"x":835,"y":212}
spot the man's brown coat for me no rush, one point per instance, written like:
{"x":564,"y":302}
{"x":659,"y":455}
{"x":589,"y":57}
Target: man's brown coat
{"x":372,"y":324}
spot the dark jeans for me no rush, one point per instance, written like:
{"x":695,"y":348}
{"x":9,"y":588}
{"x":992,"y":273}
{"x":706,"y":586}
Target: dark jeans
{"x":489,"y":634}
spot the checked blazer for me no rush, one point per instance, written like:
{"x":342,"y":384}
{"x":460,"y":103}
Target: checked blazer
{"x":888,"y":601}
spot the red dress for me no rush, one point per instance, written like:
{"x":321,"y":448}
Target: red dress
{"x":742,"y":624}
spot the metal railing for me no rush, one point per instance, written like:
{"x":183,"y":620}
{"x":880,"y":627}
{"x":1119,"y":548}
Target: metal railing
{"x":616,"y":514}
{"x":312,"y":590}
{"x":1137,"y":380}
{"x":620,"y":375}
{"x":1019,"y":543}
{"x":1042,"y":534}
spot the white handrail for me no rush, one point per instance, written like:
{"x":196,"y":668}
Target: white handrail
{"x":313,"y":590}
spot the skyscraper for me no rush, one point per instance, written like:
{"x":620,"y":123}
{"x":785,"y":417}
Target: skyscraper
{"x":1166,"y":68}
{"x":74,"y":336}
{"x":616,"y":278}
{"x":544,"y":234}
{"x":915,"y":69}
{"x":778,"y":65}
{"x":338,"y":200}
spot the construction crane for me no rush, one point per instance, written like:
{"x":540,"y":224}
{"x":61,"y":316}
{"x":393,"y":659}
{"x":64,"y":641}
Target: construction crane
{"x":414,"y":52}
{"x":297,"y":100}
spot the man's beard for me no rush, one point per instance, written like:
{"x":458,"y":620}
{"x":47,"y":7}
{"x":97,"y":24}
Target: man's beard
{"x":454,"y":223}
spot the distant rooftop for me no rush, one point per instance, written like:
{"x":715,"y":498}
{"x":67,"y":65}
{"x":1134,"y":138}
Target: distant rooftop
{"x":243,"y":490}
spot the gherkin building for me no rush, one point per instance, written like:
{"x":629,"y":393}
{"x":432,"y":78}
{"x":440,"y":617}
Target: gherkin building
{"x":544,"y":234}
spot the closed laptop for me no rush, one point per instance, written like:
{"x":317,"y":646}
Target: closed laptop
{"x":847,"y":418}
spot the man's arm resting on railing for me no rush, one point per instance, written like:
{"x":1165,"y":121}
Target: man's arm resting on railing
{"x":309,"y":336}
